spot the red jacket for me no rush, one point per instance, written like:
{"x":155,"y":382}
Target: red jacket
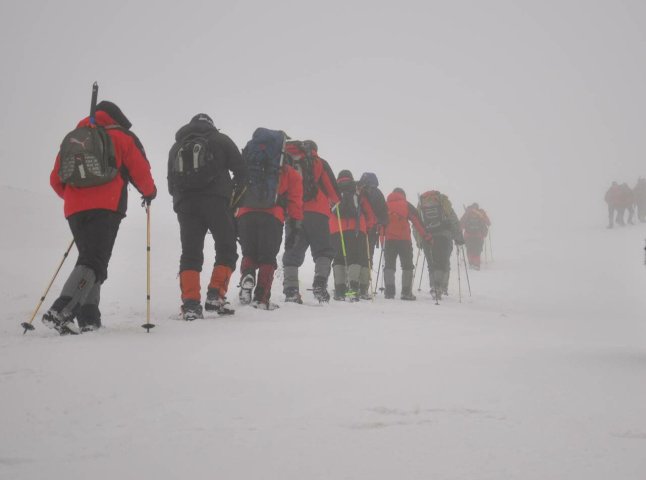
{"x":114,"y":194}
{"x":475,"y":223}
{"x":366,"y":219}
{"x":326,"y":196}
{"x":290,"y":188}
{"x":400,"y":213}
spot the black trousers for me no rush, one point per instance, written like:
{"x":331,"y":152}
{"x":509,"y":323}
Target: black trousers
{"x":315,"y":234}
{"x":95,"y":232}
{"x":398,"y":248}
{"x":373,"y":238}
{"x":355,"y":248}
{"x":197,"y":215}
{"x":438,"y":257}
{"x":261,"y":235}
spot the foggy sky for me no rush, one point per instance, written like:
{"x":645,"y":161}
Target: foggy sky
{"x":529,"y":107}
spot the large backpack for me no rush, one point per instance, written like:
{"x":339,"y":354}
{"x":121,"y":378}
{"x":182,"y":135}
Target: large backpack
{"x":431,"y":209}
{"x":191,"y":163}
{"x":263,"y":156}
{"x":474,"y":222}
{"x":300,"y":156}
{"x":349,"y":204}
{"x":87,"y":157}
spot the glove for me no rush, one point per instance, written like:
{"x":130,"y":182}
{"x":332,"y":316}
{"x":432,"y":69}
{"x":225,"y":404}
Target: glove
{"x":146,"y":200}
{"x":294,"y":228}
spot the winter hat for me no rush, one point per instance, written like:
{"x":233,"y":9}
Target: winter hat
{"x":345,"y":176}
{"x":400,"y":190}
{"x":369,"y":179}
{"x":203,"y":117}
{"x":310,"y":145}
{"x":114,"y":112}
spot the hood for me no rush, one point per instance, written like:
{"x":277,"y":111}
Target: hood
{"x":394,"y":197}
{"x":101,"y":118}
{"x":197,"y":126}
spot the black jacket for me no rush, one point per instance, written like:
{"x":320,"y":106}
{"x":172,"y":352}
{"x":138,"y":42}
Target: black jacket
{"x":378,"y":203}
{"x":227,"y":160}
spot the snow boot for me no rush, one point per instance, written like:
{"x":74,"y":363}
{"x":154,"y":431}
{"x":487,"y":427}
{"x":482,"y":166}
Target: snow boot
{"x":407,"y":285}
{"x":247,"y":283}
{"x":54,"y":318}
{"x":217,"y":303}
{"x":89,"y":317}
{"x":364,"y":292}
{"x":264,"y":305}
{"x":353,"y":293}
{"x":389,"y":282}
{"x":292,"y":295}
{"x":191,"y":310}
{"x":319,"y":288}
{"x":340,"y":291}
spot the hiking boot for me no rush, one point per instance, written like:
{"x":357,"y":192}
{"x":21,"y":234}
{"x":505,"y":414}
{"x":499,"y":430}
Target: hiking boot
{"x":319,"y":289}
{"x":407,"y":296}
{"x":57,"y":321}
{"x":364,"y":293}
{"x":389,"y":292}
{"x":191,"y":310}
{"x":339,"y":292}
{"x":217,"y":303}
{"x":292,"y":295}
{"x":90,"y":327}
{"x":247,"y":284}
{"x":264,"y":305}
{"x":353,"y":292}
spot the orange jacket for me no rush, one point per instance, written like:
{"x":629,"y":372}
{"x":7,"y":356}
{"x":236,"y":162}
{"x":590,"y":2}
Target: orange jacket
{"x":290,"y":195}
{"x":400,"y":213}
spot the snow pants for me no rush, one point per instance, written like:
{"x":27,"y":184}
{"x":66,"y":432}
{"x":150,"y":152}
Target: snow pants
{"x":95,"y":232}
{"x":474,"y":244}
{"x":404,"y":250}
{"x":356,"y":257}
{"x":197,"y":215}
{"x":315,"y":234}
{"x":438,"y":258}
{"x":261,"y":235}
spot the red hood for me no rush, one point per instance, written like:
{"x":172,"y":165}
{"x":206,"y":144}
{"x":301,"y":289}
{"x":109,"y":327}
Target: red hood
{"x":396,"y":197}
{"x":102,"y":119}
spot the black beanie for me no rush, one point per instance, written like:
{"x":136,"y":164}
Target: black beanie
{"x":400,"y":190}
{"x":346,"y":174}
{"x":203,"y":117}
{"x":114,"y":112}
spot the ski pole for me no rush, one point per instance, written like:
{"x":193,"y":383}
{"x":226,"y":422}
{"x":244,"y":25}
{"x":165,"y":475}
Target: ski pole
{"x":421,"y":276}
{"x":416,"y":262}
{"x":148,"y":325}
{"x":369,"y":264}
{"x":466,"y":271}
{"x":345,"y":257}
{"x":381,"y":256}
{"x":490,"y":244}
{"x":28,"y":325}
{"x":457,"y":261}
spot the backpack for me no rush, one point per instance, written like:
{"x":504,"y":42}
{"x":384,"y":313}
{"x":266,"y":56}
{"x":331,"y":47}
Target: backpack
{"x":474,"y":223}
{"x":301,"y":158}
{"x":191,"y":163}
{"x":263,"y":157}
{"x":349,"y":204}
{"x":431,"y":209}
{"x":87,"y":157}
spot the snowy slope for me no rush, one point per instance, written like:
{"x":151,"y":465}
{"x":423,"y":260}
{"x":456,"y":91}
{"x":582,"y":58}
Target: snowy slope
{"x":539,"y":375}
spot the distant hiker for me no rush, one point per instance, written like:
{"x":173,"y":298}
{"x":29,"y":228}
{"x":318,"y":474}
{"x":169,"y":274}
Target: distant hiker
{"x":441,"y":221}
{"x":91,"y":175}
{"x":202,"y":189}
{"x":398,"y":243}
{"x":349,"y":223}
{"x":639,"y":194}
{"x":319,"y":195}
{"x":475,"y":225}
{"x":627,"y":203}
{"x":614,"y":199}
{"x":368,"y":187}
{"x":272,"y":188}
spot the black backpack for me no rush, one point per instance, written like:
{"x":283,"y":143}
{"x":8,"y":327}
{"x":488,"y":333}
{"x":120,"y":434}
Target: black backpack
{"x":191,"y":163}
{"x":87,"y":157}
{"x":263,"y":157}
{"x":349,"y":205}
{"x":300,"y":156}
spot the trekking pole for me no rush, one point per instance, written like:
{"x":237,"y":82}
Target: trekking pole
{"x":490,"y":244}
{"x":148,"y":325}
{"x":381,"y":256}
{"x":457,"y":258}
{"x":486,"y":256}
{"x":466,"y":271}
{"x":369,"y":264}
{"x":416,"y":262}
{"x":28,"y":325}
{"x":419,"y":287}
{"x":345,"y":257}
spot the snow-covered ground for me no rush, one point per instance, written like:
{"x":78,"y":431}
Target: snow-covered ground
{"x":538,"y":375}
